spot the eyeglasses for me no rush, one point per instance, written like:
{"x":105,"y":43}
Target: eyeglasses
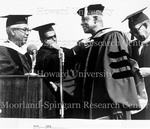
{"x":136,"y":30}
{"x":51,"y":37}
{"x":24,"y":30}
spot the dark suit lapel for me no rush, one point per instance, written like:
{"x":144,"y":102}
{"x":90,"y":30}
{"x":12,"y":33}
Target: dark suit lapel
{"x":14,"y":55}
{"x":20,"y":60}
{"x":25,"y":63}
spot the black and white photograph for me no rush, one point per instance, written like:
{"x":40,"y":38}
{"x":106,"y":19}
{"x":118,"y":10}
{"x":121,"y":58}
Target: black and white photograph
{"x":74,"y":64}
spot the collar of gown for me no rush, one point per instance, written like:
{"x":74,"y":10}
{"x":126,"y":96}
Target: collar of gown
{"x":13,"y":46}
{"x":101,"y":32}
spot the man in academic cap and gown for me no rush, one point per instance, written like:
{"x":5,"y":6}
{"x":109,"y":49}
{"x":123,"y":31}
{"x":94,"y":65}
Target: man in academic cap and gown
{"x":48,"y":64}
{"x":105,"y":87}
{"x":13,"y":61}
{"x":139,"y":25}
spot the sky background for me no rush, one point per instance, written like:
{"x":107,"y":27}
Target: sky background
{"x":63,"y":13}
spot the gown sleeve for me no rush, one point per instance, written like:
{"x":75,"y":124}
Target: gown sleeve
{"x":7,"y":65}
{"x":121,"y":85}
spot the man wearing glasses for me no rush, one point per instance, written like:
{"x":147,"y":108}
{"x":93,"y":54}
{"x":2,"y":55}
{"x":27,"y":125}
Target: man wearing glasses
{"x":12,"y":59}
{"x":48,"y":64}
{"x":139,"y":25}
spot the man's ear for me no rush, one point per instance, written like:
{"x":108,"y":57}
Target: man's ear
{"x":45,"y":40}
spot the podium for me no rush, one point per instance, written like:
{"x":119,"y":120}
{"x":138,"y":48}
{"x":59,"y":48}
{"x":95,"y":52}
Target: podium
{"x":24,"y":96}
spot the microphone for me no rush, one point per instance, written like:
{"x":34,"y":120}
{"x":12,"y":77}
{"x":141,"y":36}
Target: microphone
{"x":61,"y":55}
{"x":32,"y":50}
{"x":61,"y":68}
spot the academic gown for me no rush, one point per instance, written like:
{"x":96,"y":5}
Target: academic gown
{"x":48,"y":64}
{"x":13,"y":62}
{"x":144,"y":61}
{"x":107,"y":82}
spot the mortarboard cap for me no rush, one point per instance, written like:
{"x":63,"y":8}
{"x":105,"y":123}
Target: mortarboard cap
{"x":134,"y":19}
{"x":16,"y":19}
{"x":44,"y":28}
{"x":95,"y":9}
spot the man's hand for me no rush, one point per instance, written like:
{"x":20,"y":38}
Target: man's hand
{"x":82,"y":45}
{"x":85,"y":42}
{"x":54,"y":86}
{"x":117,"y":114}
{"x":144,"y":71}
